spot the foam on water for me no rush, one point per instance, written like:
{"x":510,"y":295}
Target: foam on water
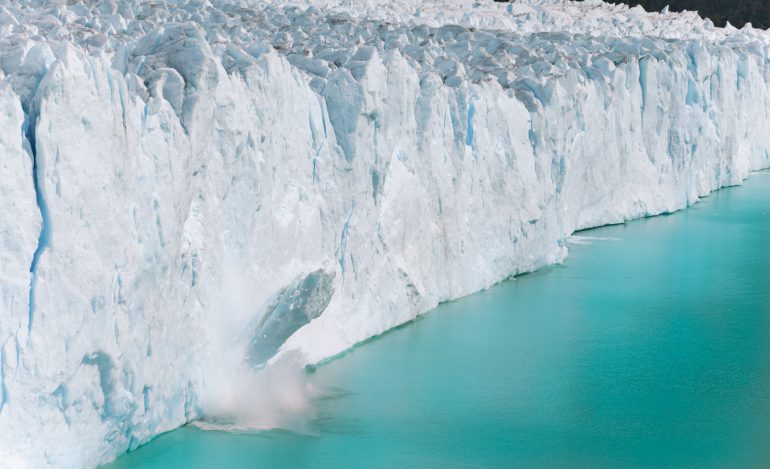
{"x":276,"y":397}
{"x":582,"y":239}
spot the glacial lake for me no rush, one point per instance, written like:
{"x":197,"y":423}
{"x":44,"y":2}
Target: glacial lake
{"x":649,"y":347}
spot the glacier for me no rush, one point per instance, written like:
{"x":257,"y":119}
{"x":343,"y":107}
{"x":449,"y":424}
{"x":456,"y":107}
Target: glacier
{"x":265,"y":178}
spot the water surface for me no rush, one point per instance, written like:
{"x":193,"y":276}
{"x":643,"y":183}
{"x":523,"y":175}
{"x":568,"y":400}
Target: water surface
{"x":649,"y":347}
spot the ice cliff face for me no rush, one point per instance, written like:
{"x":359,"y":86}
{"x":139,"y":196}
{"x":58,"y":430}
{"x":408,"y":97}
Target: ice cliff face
{"x":186,"y":177}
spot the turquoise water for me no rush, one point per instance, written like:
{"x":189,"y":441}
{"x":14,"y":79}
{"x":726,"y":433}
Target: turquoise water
{"x":647,"y":349}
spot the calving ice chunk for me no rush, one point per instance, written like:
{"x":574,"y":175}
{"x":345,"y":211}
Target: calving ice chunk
{"x":196,"y":186}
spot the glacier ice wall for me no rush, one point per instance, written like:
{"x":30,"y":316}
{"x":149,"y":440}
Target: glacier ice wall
{"x":174,"y":176}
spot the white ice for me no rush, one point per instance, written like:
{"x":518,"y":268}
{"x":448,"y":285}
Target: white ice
{"x":173,"y":171}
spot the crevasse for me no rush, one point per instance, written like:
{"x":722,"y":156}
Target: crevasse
{"x":45,"y":231}
{"x":242,"y":172}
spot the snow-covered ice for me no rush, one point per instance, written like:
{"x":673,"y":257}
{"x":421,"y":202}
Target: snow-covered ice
{"x":186,"y":183}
